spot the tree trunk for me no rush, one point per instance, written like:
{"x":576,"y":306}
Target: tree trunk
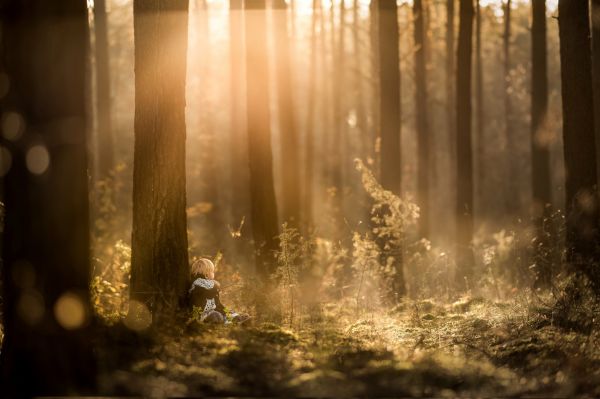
{"x":105,"y":136}
{"x":422,"y":116}
{"x":510,"y":133}
{"x":390,"y":111}
{"x":480,"y":108}
{"x":262,"y":193}
{"x":595,"y":25}
{"x":47,"y":348}
{"x":579,"y":139}
{"x":464,"y":158}
{"x":540,"y":145}
{"x":287,"y":119}
{"x":159,"y":258}
{"x":450,"y":80}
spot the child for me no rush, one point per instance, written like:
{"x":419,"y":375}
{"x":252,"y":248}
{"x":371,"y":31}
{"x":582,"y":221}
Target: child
{"x":204,"y":294}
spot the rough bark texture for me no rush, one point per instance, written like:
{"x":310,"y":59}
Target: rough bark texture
{"x":578,"y":136}
{"x":262,"y":193}
{"x":290,"y":149}
{"x":45,"y":239}
{"x":159,"y":264}
{"x":390,"y":111}
{"x":423,"y":132}
{"x":540,"y":150}
{"x":480,"y":109}
{"x":464,"y":158}
{"x":105,"y":137}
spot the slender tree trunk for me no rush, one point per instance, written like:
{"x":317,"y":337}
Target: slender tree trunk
{"x":595,"y":25}
{"x":422,"y":115}
{"x":262,"y":193}
{"x":159,"y":258}
{"x":287,"y":118}
{"x":309,"y":169}
{"x":540,"y":145}
{"x":47,"y":348}
{"x":480,"y":108}
{"x":579,"y":138}
{"x":512,"y":202}
{"x":390,"y":111}
{"x":464,"y":159}
{"x":450,"y":80}
{"x":105,"y":136}
{"x":376,"y":118}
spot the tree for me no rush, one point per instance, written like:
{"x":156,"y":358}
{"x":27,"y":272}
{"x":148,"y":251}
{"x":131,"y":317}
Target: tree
{"x":105,"y":137}
{"x":421,"y":100}
{"x":540,"y":151}
{"x":595,"y":25}
{"x":464,"y":157}
{"x":287,"y":118}
{"x":159,"y":258}
{"x":45,"y":240}
{"x":479,"y":104}
{"x":509,"y":124}
{"x":450,"y":78}
{"x":579,"y":139}
{"x":262,"y":193}
{"x":390,"y":111}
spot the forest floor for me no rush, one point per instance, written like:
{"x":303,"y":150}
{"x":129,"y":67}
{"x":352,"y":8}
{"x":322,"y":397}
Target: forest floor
{"x":472,"y":347}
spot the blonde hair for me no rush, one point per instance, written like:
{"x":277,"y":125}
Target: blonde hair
{"x":202,"y":266}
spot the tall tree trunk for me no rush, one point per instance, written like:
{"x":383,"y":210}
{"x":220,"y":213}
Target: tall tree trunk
{"x":579,"y":139}
{"x":375,"y":68}
{"x":390,"y":111}
{"x":540,"y":146}
{"x":450,"y":80}
{"x":159,"y":257}
{"x":510,"y":133}
{"x":105,"y":136}
{"x":464,"y":158}
{"x":287,"y":119}
{"x":309,"y":170}
{"x":480,"y":108}
{"x":595,"y":25}
{"x":47,"y":349}
{"x":421,"y":100}
{"x":262,"y":193}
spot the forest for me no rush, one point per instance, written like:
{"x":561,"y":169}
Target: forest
{"x":300,"y":198}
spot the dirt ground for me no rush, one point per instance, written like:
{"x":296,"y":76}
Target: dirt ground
{"x":472,"y":347}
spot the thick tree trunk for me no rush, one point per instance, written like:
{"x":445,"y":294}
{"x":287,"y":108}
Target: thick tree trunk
{"x":159,"y":258}
{"x":464,"y":158}
{"x":540,"y":145}
{"x":45,"y":259}
{"x":480,"y":108}
{"x":595,"y":25}
{"x":579,"y":138}
{"x":422,"y":114}
{"x":105,"y":136}
{"x":390,"y":111}
{"x":262,"y":193}
{"x":287,"y":119}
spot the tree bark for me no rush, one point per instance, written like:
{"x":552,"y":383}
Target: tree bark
{"x":265,"y":227}
{"x":422,"y":116}
{"x":579,"y":138}
{"x":159,"y":257}
{"x":45,"y":242}
{"x":540,"y":146}
{"x":105,"y":136}
{"x":510,"y":134}
{"x":595,"y":25}
{"x":480,"y":108}
{"x":450,"y":80}
{"x":287,"y":119}
{"x":390,"y":111}
{"x":464,"y":158}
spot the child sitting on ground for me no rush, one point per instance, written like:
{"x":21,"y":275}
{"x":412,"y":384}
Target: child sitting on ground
{"x":204,"y":295}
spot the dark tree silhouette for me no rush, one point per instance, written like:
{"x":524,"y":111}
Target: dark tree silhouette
{"x":578,"y":137}
{"x":540,"y":151}
{"x":262,"y":193}
{"x":105,"y":134}
{"x":389,"y":103}
{"x":45,"y":240}
{"x":480,"y":108}
{"x":595,"y":25}
{"x":421,"y":100}
{"x":290,"y":149}
{"x":159,"y":258}
{"x":464,"y":156}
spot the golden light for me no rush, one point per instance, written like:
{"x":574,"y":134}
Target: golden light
{"x":139,"y":316}
{"x":69,"y":311}
{"x":13,"y":125}
{"x":37,"y":159}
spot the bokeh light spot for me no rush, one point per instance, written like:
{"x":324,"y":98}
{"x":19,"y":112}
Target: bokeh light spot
{"x":70,"y":311}
{"x":5,"y":161}
{"x":37,"y":159}
{"x":139,"y":317}
{"x":13,"y":126}
{"x":30,"y":307}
